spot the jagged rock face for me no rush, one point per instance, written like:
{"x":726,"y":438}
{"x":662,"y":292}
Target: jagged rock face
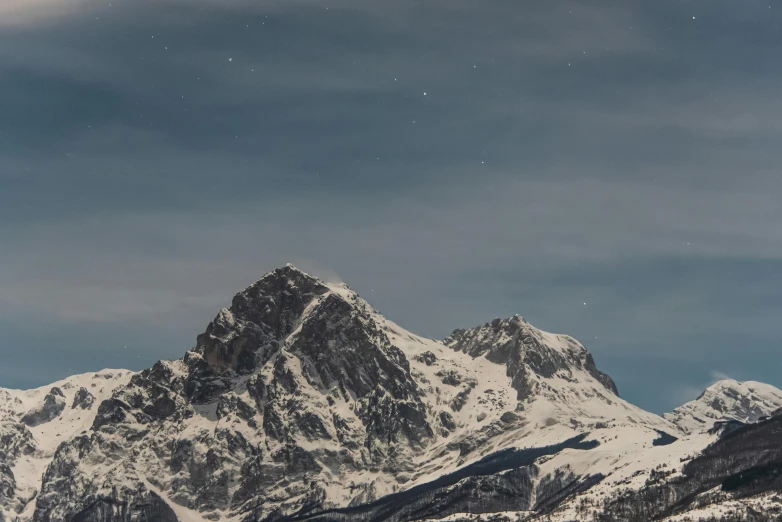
{"x":244,"y":335}
{"x":341,"y":349}
{"x":109,"y":501}
{"x":144,"y":508}
{"x":52,"y":405}
{"x":727,"y":400}
{"x":83,"y":399}
{"x":15,"y":441}
{"x":522,"y":348}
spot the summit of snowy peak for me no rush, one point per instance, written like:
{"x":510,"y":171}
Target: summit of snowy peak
{"x":287,"y":274}
{"x":727,"y":400}
{"x":259,"y":318}
{"x":263,"y":316}
{"x":527,"y":351}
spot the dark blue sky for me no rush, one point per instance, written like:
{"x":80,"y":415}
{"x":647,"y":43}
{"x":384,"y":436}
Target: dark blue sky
{"x":452,"y":161}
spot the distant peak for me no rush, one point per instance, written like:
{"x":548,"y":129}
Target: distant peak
{"x":745,"y":401}
{"x":742,"y":386}
{"x":523,"y":348}
{"x":287,"y":271}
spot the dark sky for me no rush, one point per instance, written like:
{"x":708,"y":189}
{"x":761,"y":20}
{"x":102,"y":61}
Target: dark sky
{"x":610,"y":170}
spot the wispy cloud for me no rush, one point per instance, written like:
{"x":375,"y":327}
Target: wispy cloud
{"x":26,"y":13}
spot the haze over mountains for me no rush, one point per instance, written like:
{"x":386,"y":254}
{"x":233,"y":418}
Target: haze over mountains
{"x":302,"y":402}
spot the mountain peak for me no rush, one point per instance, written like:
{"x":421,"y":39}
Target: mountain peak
{"x":727,"y":399}
{"x":529,"y":353}
{"x":286,"y":271}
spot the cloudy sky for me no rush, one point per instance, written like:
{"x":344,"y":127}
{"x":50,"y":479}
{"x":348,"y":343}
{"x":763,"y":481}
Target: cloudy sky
{"x":610,"y":170}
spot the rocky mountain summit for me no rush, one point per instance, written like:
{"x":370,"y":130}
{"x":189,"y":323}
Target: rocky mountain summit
{"x":301,"y":402}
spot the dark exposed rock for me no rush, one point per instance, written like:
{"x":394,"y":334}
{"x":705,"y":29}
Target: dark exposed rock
{"x":427,"y":357}
{"x":110,"y":412}
{"x":83,"y":399}
{"x":337,"y":340}
{"x":555,"y":488}
{"x":15,"y":440}
{"x":458,"y":402}
{"x":147,"y":508}
{"x":7,"y":483}
{"x":52,"y":405}
{"x":231,"y":404}
{"x":501,"y":481}
{"x":509,"y":417}
{"x":446,"y":421}
{"x":312,"y":426}
{"x":605,"y":380}
{"x":248,"y":333}
{"x":161,"y":408}
{"x":387,"y":419}
{"x":449,"y":377}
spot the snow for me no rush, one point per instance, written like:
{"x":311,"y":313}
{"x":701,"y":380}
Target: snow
{"x":727,"y":399}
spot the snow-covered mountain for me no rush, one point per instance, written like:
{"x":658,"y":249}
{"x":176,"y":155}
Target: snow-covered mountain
{"x":727,"y":400}
{"x":33,"y":423}
{"x":301,"y":402}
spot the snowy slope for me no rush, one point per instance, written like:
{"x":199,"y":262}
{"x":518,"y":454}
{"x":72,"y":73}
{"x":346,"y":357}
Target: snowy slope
{"x":727,"y":400}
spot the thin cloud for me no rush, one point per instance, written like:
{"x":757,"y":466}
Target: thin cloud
{"x":28,"y":13}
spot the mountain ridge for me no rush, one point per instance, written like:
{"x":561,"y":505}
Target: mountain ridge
{"x":300,"y":399}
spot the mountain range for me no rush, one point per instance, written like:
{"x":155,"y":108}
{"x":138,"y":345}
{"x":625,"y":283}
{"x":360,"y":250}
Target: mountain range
{"x":300,"y":401}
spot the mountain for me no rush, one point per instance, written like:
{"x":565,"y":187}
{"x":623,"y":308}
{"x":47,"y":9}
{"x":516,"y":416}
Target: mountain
{"x":301,"y":402}
{"x":727,"y":400}
{"x":33,"y":423}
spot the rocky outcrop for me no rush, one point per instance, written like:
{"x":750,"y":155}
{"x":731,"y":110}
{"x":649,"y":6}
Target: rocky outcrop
{"x":83,"y":399}
{"x":525,"y":352}
{"x":245,"y":335}
{"x":52,"y":405}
